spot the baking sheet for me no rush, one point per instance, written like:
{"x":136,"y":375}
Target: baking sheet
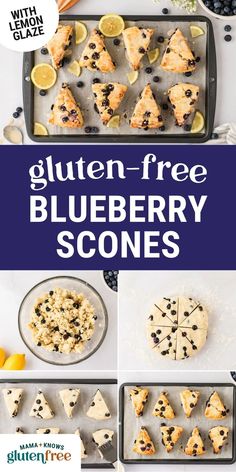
{"x":84,"y":96}
{"x":67,"y":426}
{"x":132,"y":424}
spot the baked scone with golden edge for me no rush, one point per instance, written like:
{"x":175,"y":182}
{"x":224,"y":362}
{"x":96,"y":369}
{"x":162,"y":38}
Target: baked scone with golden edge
{"x":137,"y":41}
{"x":139,"y":397}
{"x":95,"y":55}
{"x":143,"y":445}
{"x":59,"y":44}
{"x":218,"y":435}
{"x":170,"y":436}
{"x":162,"y":408}
{"x":215,"y":409}
{"x":189,"y":399}
{"x":195,"y":446}
{"x":178,"y":56}
{"x":66,"y":112}
{"x":147,"y":112}
{"x":108,"y":97}
{"x":183,"y":98}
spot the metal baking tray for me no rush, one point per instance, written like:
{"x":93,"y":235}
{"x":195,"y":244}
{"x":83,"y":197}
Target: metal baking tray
{"x":67,"y":423}
{"x":169,"y":459}
{"x":134,"y":136}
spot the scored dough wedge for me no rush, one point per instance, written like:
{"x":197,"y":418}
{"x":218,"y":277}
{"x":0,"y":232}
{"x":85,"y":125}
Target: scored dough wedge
{"x":98,"y":409}
{"x":218,"y":436}
{"x":189,"y":342}
{"x":189,"y":399}
{"x":69,"y":398}
{"x":163,"y":408}
{"x":170,"y":436}
{"x":12,"y":398}
{"x":143,"y":445}
{"x":139,"y":397}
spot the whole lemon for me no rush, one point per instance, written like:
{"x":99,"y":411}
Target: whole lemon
{"x":2,"y":357}
{"x":15,"y":362}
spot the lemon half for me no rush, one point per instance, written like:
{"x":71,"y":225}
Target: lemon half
{"x":114,"y":122}
{"x":75,"y":68}
{"x":43,"y":76}
{"x":153,"y":55}
{"x":40,"y":129}
{"x":196,"y":31}
{"x":133,"y":76}
{"x":111,"y":25}
{"x":15,"y":362}
{"x":81,"y":32}
{"x":198,"y":123}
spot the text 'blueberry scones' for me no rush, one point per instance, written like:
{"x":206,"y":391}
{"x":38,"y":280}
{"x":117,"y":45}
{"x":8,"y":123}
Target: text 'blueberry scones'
{"x":183,"y":98}
{"x":95,"y":56}
{"x":137,"y":41}
{"x":178,"y":56}
{"x":66,"y":112}
{"x":162,"y":408}
{"x":147,"y":112}
{"x":189,"y":399}
{"x":139,"y":397}
{"x":195,"y":446}
{"x":59,"y":44}
{"x":215,"y":409}
{"x":170,"y":436}
{"x":218,"y":436}
{"x":108,"y":97}
{"x":143,"y":445}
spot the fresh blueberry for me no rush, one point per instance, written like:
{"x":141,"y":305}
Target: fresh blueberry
{"x":80,"y":84}
{"x":187,"y":128}
{"x":116,"y":42}
{"x":44,"y":51}
{"x":16,"y":115}
{"x":19,"y":110}
{"x":162,"y":128}
{"x":148,"y":70}
{"x":233,"y":374}
{"x":43,"y":93}
{"x":214,"y":136}
{"x":165,"y":11}
{"x":188,"y":74}
{"x":96,"y":81}
{"x":94,"y":130}
{"x":160,"y":39}
{"x":156,"y":78}
{"x":227,"y":28}
{"x":228,"y":38}
{"x":165,"y":106}
{"x":88,"y":129}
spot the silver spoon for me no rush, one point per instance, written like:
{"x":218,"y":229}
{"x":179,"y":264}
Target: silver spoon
{"x":13,"y":134}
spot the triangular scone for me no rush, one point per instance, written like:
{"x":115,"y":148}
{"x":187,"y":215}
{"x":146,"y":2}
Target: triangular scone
{"x":48,"y":430}
{"x":108,"y":98}
{"x":189,"y":399}
{"x":19,"y":431}
{"x":66,"y":112}
{"x":82,"y":448}
{"x":137,"y":41}
{"x":143,"y":445}
{"x":95,"y":56}
{"x":41,"y":408}
{"x":215,"y":409}
{"x":59,"y":44}
{"x":157,"y":334}
{"x":69,"y":398}
{"x":12,"y":397}
{"x":195,"y":445}
{"x":162,"y":408}
{"x":102,"y":436}
{"x":218,"y":435}
{"x":147,"y":112}
{"x":139,"y":397}
{"x":178,"y":56}
{"x":183,"y":98}
{"x":98,"y":408}
{"x":170,"y":436}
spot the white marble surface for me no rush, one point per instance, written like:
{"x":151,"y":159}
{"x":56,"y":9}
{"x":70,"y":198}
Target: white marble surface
{"x":11,"y":62}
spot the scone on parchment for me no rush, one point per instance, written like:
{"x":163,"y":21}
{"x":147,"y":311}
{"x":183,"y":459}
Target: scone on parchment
{"x":59,"y":44}
{"x":147,"y":112}
{"x":195,"y":446}
{"x":143,"y":445}
{"x":139,"y":397}
{"x":137,"y":41}
{"x":108,"y":98}
{"x":183,"y":98}
{"x":66,"y":112}
{"x":95,"y":56}
{"x":178,"y":56}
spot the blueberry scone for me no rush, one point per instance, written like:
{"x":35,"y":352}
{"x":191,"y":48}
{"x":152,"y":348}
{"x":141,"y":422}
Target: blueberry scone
{"x":83,"y":452}
{"x":139,"y":397}
{"x":147,"y":112}
{"x":98,"y":409}
{"x":69,"y":398}
{"x":218,"y":436}
{"x":41,"y":408}
{"x":170,"y":436}
{"x":143,"y":445}
{"x":215,"y":409}
{"x":59,"y":44}
{"x":189,"y":399}
{"x":12,"y":398}
{"x":20,"y":431}
{"x":163,"y":408}
{"x":66,"y":112}
{"x":183,"y":98}
{"x":101,"y":437}
{"x":48,"y":431}
{"x":178,"y":56}
{"x":137,"y":41}
{"x":108,"y":98}
{"x":195,"y":446}
{"x":95,"y":56}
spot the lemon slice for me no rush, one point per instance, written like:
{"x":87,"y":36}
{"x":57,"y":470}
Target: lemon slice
{"x":40,"y":129}
{"x":153,"y":55}
{"x":196,"y":31}
{"x":111,"y":25}
{"x":198,"y":122}
{"x":114,"y":122}
{"x":43,"y":76}
{"x":80,"y":32}
{"x":75,"y":68}
{"x":133,"y":77}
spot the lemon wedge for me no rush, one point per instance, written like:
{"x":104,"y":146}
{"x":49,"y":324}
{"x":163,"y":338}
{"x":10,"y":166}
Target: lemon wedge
{"x":15,"y":362}
{"x":40,"y":129}
{"x":2,"y":357}
{"x":196,"y":31}
{"x":81,"y":32}
{"x":133,"y":77}
{"x":43,"y":76}
{"x":111,"y":25}
{"x":75,"y":68}
{"x":153,"y":55}
{"x":198,"y":123}
{"x":114,"y":122}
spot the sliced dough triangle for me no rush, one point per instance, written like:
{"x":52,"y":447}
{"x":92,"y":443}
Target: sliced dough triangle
{"x":98,"y":408}
{"x":168,"y":346}
{"x":41,"y":408}
{"x":189,"y":342}
{"x":215,"y":409}
{"x":218,"y":435}
{"x":59,"y":44}
{"x":169,"y":305}
{"x":183,"y":98}
{"x":195,"y":446}
{"x":147,"y":112}
{"x":108,"y":97}
{"x":186,"y":307}
{"x":158,"y":318}
{"x":66,"y":112}
{"x":198,"y":319}
{"x":157,"y":334}
{"x":12,"y":397}
{"x":178,"y":56}
{"x":170,"y":436}
{"x":139,"y":397}
{"x":48,"y":430}
{"x":137,"y":41}
{"x":102,"y":436}
{"x":95,"y":56}
{"x":69,"y":398}
{"x":82,"y":448}
{"x":162,"y":408}
{"x":189,"y":399}
{"x":19,"y":431}
{"x":143,"y":445}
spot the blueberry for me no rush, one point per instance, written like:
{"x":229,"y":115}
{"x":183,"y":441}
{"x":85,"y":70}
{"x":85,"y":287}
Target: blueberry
{"x":197,"y":59}
{"x":87,"y":129}
{"x":116,"y":42}
{"x":80,"y":84}
{"x":228,"y":38}
{"x":148,"y":70}
{"x":165,"y":11}
{"x":162,"y":128}
{"x":44,"y":51}
{"x":227,"y":28}
{"x":165,"y":106}
{"x":214,"y":136}
{"x":156,"y":78}
{"x":43,"y":93}
{"x":16,"y":115}
{"x":160,"y":39}
{"x":187,"y":128}
{"x":188,"y":74}
{"x":233,"y":374}
{"x":19,"y":110}
{"x":96,"y":81}
{"x":94,"y":130}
